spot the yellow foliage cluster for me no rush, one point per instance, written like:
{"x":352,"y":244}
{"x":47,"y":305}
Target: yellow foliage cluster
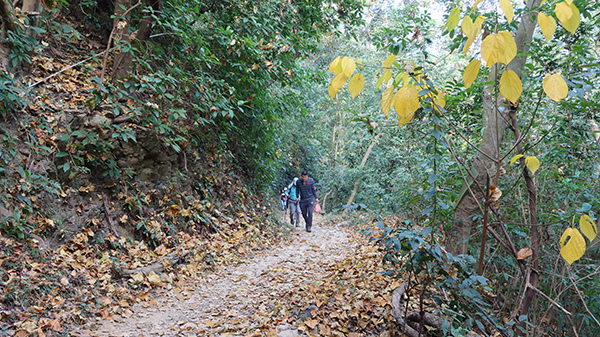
{"x":501,"y":47}
{"x":406,"y":100}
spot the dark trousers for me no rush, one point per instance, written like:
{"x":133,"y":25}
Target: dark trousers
{"x":307,"y":213}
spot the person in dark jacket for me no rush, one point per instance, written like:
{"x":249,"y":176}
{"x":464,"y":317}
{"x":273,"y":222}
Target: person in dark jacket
{"x":308,"y":196}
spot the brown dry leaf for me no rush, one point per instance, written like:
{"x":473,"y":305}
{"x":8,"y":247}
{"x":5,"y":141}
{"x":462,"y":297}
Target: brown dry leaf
{"x":495,"y":193}
{"x":311,"y":323}
{"x":173,"y":210}
{"x":105,"y":314}
{"x":154,"y":279}
{"x":524,"y":253}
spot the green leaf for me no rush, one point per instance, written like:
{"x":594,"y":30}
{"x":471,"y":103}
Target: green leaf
{"x":356,"y":84}
{"x":572,"y":245}
{"x":511,"y":86}
{"x":533,"y":164}
{"x":547,"y":25}
{"x":555,"y":87}
{"x":471,"y":72}
{"x":588,"y":227}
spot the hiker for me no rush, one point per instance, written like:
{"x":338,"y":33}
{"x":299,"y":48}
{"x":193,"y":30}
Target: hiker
{"x":283,"y":199}
{"x":293,"y":202}
{"x":308,"y":196}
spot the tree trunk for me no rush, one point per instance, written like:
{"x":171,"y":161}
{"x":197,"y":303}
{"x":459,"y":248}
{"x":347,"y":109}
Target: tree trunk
{"x":495,"y":122}
{"x":362,"y":166}
{"x":32,"y":9}
{"x":6,"y":24}
{"x":123,"y":63}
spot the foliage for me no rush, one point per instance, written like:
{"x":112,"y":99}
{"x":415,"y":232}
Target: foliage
{"x":453,"y":131}
{"x":413,"y":256}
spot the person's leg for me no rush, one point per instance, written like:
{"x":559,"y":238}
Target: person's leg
{"x":298,"y":214}
{"x":309,"y":216}
{"x":304,"y":210}
{"x":292,"y":210}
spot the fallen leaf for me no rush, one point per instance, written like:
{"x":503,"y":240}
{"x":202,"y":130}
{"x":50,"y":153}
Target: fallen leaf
{"x":524,"y":253}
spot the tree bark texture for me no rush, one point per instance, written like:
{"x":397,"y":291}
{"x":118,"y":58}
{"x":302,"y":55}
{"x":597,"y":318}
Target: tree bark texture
{"x":357,"y":183}
{"x":495,"y":117}
{"x":6,"y":24}
{"x":123,"y":62}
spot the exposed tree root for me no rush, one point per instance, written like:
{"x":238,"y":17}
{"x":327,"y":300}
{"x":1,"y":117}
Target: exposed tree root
{"x":157,"y":266}
{"x":412,"y":316}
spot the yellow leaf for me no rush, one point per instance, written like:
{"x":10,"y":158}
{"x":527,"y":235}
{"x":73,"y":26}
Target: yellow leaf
{"x":572,"y":245}
{"x":405,"y":120}
{"x":439,"y":100}
{"x":387,"y":74}
{"x":406,"y":102}
{"x":332,"y":91}
{"x":405,"y":79}
{"x":453,"y":19}
{"x":547,"y":25}
{"x":477,"y":2}
{"x":532,"y":163}
{"x":386,"y":100}
{"x":389,"y":61}
{"x":474,"y":32}
{"x":563,"y":11}
{"x":379,"y":81}
{"x":334,"y":65}
{"x":499,"y":47}
{"x":515,"y":158}
{"x":510,"y":86}
{"x":356,"y":84}
{"x":555,"y":87}
{"x":574,"y":21}
{"x":348,"y":66}
{"x":510,"y":47}
{"x":507,"y":8}
{"x":467,"y":25}
{"x":338,"y":82}
{"x":471,"y":72}
{"x":588,"y":227}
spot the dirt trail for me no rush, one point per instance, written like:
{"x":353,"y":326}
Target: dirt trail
{"x":237,"y":300}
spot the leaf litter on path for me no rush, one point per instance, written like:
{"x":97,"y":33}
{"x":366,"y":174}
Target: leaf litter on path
{"x":324,"y":283}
